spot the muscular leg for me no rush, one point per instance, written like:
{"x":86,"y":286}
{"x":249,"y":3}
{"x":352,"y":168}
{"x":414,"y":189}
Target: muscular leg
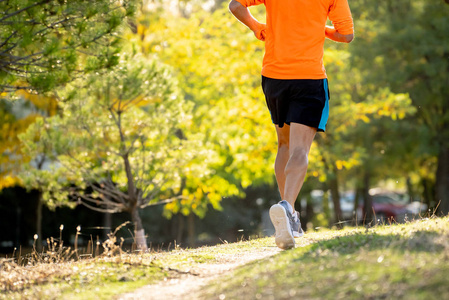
{"x":300,"y":140}
{"x":290,"y":168}
{"x":282,"y":156}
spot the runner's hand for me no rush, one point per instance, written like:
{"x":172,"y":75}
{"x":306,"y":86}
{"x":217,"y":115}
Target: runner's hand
{"x":260,"y":32}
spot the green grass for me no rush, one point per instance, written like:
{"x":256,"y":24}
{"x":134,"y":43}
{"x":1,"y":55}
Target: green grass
{"x":407,"y":261}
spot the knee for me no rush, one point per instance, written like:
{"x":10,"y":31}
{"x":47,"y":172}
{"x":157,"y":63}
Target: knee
{"x":299,"y":158}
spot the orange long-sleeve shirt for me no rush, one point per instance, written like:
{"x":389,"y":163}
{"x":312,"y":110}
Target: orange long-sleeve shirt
{"x":295,"y":33}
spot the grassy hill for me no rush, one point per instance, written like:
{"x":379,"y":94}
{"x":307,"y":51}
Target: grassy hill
{"x":402,"y":261}
{"x":407,"y":261}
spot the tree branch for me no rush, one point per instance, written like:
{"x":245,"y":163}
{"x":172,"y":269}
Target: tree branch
{"x":119,"y":197}
{"x":102,"y":210}
{"x":9,"y":37}
{"x":169,"y":200}
{"x":23,"y":9}
{"x":97,"y":201}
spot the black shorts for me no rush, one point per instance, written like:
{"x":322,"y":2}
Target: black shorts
{"x":303,"y":101}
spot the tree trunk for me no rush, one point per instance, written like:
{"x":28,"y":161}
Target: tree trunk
{"x":129,"y":175}
{"x":191,"y":229}
{"x":39,"y":222}
{"x":410,"y":190}
{"x":107,"y":225}
{"x":139,"y":232}
{"x":358,"y":193}
{"x":367,"y":200}
{"x":427,"y":192}
{"x":309,"y":212}
{"x":180,"y":229}
{"x":333,"y":186}
{"x":442,"y":180}
{"x":18,"y":223}
{"x":326,"y":208}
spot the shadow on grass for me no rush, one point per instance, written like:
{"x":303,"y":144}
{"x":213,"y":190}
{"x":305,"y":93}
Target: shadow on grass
{"x":420,"y":241}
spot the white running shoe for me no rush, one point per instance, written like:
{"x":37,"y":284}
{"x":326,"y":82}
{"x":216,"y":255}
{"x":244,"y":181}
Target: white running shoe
{"x":297,"y":230}
{"x":283,"y":223}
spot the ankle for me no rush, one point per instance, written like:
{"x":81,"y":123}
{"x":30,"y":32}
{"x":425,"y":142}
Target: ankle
{"x":290,"y":207}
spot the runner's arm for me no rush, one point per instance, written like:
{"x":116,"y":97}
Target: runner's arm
{"x":243,"y":15}
{"x":343,"y":25}
{"x":333,"y":34}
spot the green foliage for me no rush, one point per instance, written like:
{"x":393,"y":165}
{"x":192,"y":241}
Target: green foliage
{"x":217,"y":62}
{"x":389,"y":85}
{"x":414,"y":56}
{"x":129,"y":139}
{"x":403,"y":45}
{"x":44,"y":43}
{"x":357,"y":110}
{"x":15,"y":117}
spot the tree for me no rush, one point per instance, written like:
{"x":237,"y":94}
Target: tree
{"x":45,"y":44}
{"x":405,"y":46}
{"x":129,"y":143}
{"x":217,"y":63}
{"x":15,"y":117}
{"x":346,"y":152}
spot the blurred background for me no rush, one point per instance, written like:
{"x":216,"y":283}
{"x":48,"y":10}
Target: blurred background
{"x":152,"y":112}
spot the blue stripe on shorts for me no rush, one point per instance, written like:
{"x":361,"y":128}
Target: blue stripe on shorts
{"x":325,"y":113}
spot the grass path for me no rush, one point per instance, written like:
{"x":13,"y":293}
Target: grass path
{"x":189,"y":284}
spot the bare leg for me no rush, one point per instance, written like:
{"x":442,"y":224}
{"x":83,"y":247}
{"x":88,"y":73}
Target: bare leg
{"x":290,"y":168}
{"x":300,"y":141}
{"x":282,"y":156}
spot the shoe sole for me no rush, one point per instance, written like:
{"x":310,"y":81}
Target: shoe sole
{"x":283,"y":236}
{"x":298,"y":235}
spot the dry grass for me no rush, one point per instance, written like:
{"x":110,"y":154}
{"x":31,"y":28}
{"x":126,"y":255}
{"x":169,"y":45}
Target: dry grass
{"x":63,"y":272}
{"x":57,"y":263}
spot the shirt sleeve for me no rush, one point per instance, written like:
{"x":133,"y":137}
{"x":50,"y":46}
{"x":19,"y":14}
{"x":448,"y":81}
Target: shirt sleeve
{"x":340,"y":15}
{"x":247,"y":3}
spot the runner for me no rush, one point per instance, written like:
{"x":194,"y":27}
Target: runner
{"x":295,"y":85}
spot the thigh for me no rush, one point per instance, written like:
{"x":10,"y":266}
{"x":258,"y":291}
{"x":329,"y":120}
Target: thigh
{"x":301,"y":137}
{"x":283,"y":134}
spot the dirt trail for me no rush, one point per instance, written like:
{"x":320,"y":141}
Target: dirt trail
{"x":188,"y":286}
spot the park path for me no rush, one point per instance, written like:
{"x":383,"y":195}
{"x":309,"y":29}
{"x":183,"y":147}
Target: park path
{"x":188,"y":286}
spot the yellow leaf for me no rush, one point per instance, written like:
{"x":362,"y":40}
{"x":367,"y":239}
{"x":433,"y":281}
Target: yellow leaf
{"x":339,"y":164}
{"x":364,"y":118}
{"x":9,"y":181}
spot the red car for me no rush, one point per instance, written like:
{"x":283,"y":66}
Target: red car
{"x":391,"y":206}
